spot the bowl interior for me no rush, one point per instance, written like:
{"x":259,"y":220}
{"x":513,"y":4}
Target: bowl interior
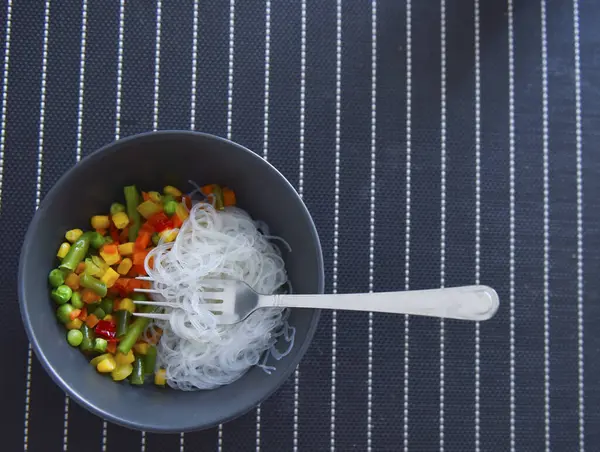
{"x":151,"y":161}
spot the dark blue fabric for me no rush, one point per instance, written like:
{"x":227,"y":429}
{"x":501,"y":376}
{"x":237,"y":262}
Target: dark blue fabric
{"x":395,"y":403}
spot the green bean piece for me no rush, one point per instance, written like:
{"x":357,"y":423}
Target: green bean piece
{"x":97,"y":240}
{"x":74,"y":338}
{"x":132,"y":199}
{"x":91,"y":307}
{"x":169,"y":208}
{"x":135,"y":330}
{"x":107,"y":305}
{"x":150,"y":360}
{"x":76,"y":253}
{"x":89,"y":282}
{"x":116,"y":207}
{"x":64,"y":312}
{"x":218,"y":194}
{"x":62,"y":294}
{"x":137,"y":376}
{"x":76,"y":300}
{"x":56,"y":278}
{"x":122,"y":318}
{"x":100,"y":345}
{"x":99,"y":312}
{"x":87,"y":343}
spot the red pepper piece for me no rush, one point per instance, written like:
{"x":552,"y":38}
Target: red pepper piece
{"x":106,"y":330}
{"x":160,"y":222}
{"x":114,"y":233}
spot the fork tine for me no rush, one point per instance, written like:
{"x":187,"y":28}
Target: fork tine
{"x":212,"y":295}
{"x":153,"y":316}
{"x":156,"y":303}
{"x":146,"y":290}
{"x":144,"y":278}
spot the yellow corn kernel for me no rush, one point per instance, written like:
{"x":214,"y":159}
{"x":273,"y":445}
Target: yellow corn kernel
{"x":155,"y":196}
{"x":160,"y":377}
{"x":100,"y":222}
{"x":94,"y":362}
{"x":182,"y":212}
{"x":107,"y":365}
{"x":110,"y":258}
{"x":126,"y":249}
{"x":121,"y":372}
{"x":127,"y":305}
{"x":170,"y":190}
{"x":125,"y":266}
{"x":110,"y":277}
{"x":141,"y":348}
{"x":169,"y":235}
{"x":63,"y":249}
{"x":121,"y":220}
{"x":74,"y":324}
{"x":108,"y":317}
{"x":125,"y":359}
{"x":73,"y":235}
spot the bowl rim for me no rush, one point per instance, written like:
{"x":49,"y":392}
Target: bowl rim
{"x":34,"y":340}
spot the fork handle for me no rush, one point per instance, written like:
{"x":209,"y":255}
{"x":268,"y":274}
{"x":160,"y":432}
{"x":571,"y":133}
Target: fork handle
{"x":464,"y":303}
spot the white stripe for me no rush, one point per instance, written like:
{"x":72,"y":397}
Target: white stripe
{"x":119,"y":84}
{"x":442,"y":206}
{"x":229,"y":126}
{"x":545,"y":145}
{"x":38,"y":193}
{"x":372,"y":215}
{"x":336,"y":210}
{"x":408,"y":202}
{"x":300,"y":189}
{"x":5,"y":92}
{"x":194,"y":67}
{"x":578,"y":134}
{"x":117,"y":136}
{"x":157,"y":63}
{"x":77,"y":158}
{"x":511,"y":146}
{"x":265,"y":143}
{"x":477,"y":214}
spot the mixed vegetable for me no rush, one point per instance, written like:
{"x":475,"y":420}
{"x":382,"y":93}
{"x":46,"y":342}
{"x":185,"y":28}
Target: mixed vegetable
{"x":94,"y":284}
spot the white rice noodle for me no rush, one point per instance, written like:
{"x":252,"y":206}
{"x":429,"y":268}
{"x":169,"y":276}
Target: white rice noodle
{"x":196,"y":352}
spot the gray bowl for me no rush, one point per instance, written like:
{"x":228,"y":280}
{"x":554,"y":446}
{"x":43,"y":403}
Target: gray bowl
{"x":151,"y":161}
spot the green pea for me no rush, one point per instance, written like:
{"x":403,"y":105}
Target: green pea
{"x":170,"y":207}
{"x":100,"y":345}
{"x":76,"y":300}
{"x":74,"y":338}
{"x":116,"y":207}
{"x":155,"y":239}
{"x":56,"y":278}
{"x":137,"y":296}
{"x":167,"y":198}
{"x":64,"y":312}
{"x":99,"y":312}
{"x":61,"y":294}
{"x":97,"y":240}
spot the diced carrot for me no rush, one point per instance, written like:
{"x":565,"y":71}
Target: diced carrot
{"x":141,"y":270}
{"x":112,"y":347}
{"x":72,"y":280}
{"x":228,"y":197}
{"x":89,"y":296}
{"x":145,"y":196}
{"x":208,"y":189}
{"x":75,"y":313}
{"x":177,"y":222}
{"x":142,"y":242}
{"x":80,"y":268}
{"x":101,"y":231}
{"x":92,"y":320}
{"x":134,"y":284}
{"x":116,"y":304}
{"x":83,"y":315}
{"x":139,"y":257}
{"x":110,"y":248}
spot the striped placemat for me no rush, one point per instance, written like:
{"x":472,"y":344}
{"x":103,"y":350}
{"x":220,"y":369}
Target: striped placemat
{"x":435,"y":143}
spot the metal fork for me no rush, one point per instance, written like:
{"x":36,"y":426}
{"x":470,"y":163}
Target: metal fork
{"x":232,"y":301}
